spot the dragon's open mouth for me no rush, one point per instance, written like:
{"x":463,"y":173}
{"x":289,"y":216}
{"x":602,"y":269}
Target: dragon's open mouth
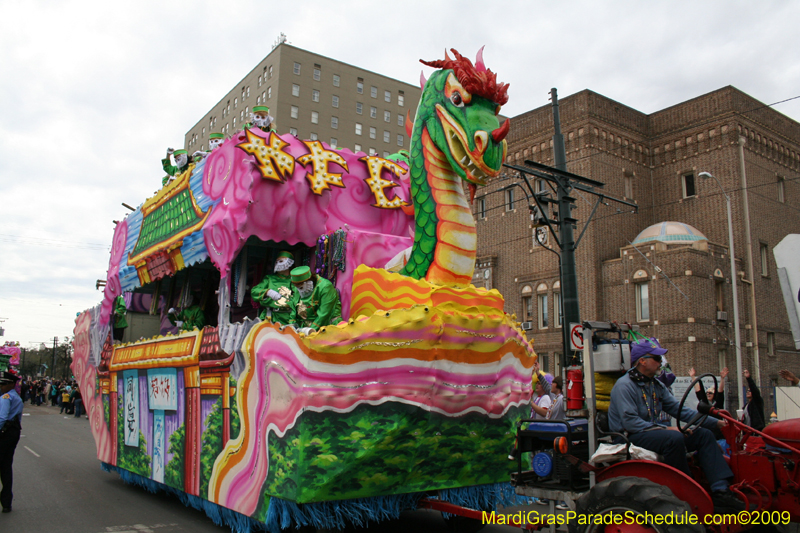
{"x":471,"y":162}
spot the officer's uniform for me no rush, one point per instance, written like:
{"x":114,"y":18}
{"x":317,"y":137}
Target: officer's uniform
{"x":10,"y":427}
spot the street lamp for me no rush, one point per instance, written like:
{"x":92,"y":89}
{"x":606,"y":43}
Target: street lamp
{"x":740,"y":394}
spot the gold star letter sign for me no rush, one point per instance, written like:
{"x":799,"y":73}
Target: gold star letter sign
{"x":378,"y":185}
{"x":320,"y":179}
{"x":272,"y":161}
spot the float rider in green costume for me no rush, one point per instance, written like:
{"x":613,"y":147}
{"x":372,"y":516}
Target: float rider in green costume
{"x":214,"y":140}
{"x":189,"y":318}
{"x":120,"y":320}
{"x":319,"y":300}
{"x":275,"y":294}
{"x":261,"y":119}
{"x":181,"y":158}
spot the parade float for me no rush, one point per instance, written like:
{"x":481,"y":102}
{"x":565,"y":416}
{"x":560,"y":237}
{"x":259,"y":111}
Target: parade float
{"x":415,"y":393}
{"x":9,"y":356}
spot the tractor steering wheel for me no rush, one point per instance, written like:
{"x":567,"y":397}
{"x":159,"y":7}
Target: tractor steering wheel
{"x":698,"y":419}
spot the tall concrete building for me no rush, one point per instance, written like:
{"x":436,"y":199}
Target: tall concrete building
{"x":666,"y":268}
{"x":315,"y":97}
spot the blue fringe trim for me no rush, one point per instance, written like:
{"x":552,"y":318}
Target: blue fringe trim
{"x":336,"y":514}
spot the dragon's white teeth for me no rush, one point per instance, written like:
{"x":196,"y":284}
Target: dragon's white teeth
{"x":464,"y":160}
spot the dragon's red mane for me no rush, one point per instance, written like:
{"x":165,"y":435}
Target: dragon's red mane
{"x":478,"y":81}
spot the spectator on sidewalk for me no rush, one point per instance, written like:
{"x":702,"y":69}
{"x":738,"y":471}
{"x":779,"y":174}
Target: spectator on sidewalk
{"x":753,"y":414}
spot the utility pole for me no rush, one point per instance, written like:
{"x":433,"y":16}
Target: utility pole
{"x":53,"y":371}
{"x":569,"y":277}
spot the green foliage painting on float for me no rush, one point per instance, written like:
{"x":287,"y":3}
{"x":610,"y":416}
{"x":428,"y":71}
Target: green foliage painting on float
{"x":212,"y":438}
{"x":326,"y":457}
{"x":174,"y":472}
{"x":134,"y":459}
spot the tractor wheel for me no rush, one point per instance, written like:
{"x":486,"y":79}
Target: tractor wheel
{"x":627,"y":497}
{"x":462,"y":524}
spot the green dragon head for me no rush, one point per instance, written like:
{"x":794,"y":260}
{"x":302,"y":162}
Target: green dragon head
{"x":462,"y":102}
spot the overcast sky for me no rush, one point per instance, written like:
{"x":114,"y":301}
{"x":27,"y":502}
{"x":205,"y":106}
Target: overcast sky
{"x":93,"y":92}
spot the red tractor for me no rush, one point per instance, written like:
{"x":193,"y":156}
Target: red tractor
{"x":634,"y":495}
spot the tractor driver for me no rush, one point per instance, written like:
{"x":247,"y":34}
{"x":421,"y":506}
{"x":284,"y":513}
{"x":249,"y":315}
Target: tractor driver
{"x":637,"y":401}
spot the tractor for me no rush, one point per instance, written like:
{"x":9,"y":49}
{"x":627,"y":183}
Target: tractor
{"x":633,"y":495}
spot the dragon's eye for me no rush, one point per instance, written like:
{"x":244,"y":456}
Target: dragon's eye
{"x":456,"y":99}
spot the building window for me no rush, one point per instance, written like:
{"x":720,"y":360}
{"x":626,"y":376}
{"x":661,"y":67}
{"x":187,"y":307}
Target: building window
{"x":372,"y":151}
{"x":314,"y":117}
{"x":315,"y":95}
{"x":719,"y":295}
{"x":358,"y":128}
{"x":269,"y":72}
{"x":764,"y":259}
{"x":269,"y":92}
{"x":235,"y":102}
{"x":264,"y":96}
{"x":260,"y":80}
{"x":335,"y":101}
{"x":359,"y":108}
{"x":386,"y":136}
{"x":335,"y":80}
{"x":373,"y":133}
{"x":687,"y":183}
{"x":357,"y":148}
{"x":527,"y":308}
{"x":557,"y":308}
{"x":242,"y":94}
{"x":373,"y":112}
{"x":387,"y":96}
{"x":387,"y":116}
{"x":399,"y":120}
{"x":360,"y":86}
{"x":781,"y":189}
{"x":316,"y":74}
{"x":335,"y":123}
{"x":542,"y":301}
{"x":401,"y":99}
{"x":509,"y":199}
{"x":400,"y":140}
{"x":241,"y":114}
{"x":334,"y":142}
{"x":642,"y":302}
{"x":482,"y":207}
{"x":234,"y":122}
{"x":258,"y":100}
{"x":295,"y":90}
{"x":296,"y":69}
{"x":295,"y":111}
{"x":373,"y":92}
{"x":248,"y":91}
{"x":770,"y":343}
{"x":313,"y":137}
{"x":540,"y":186}
{"x":293,"y":131}
{"x":628,"y":180}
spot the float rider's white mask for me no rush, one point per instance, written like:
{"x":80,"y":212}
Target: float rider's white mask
{"x":283,"y":264}
{"x":213,"y":143}
{"x":261,"y":121}
{"x":181,"y":160}
{"x":306,"y":288}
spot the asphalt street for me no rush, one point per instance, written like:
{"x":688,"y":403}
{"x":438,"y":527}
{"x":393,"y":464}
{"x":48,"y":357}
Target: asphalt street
{"x":59,"y":487}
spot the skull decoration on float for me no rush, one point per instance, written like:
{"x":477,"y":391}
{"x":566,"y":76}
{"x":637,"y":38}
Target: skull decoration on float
{"x":417,"y":389}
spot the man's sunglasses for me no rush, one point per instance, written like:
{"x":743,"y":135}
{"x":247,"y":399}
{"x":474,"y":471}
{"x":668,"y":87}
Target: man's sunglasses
{"x":657,"y":358}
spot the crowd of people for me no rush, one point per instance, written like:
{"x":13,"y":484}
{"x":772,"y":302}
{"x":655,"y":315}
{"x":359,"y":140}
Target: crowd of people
{"x":65,"y":394}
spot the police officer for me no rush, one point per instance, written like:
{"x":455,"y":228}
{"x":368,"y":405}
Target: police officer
{"x":10,"y":427}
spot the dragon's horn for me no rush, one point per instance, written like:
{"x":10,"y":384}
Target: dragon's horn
{"x":500,"y":133}
{"x":409,"y":123}
{"x":480,"y":66}
{"x":446,"y":57}
{"x":422,"y":80}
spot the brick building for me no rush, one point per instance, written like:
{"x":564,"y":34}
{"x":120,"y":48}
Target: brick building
{"x":655,"y":160}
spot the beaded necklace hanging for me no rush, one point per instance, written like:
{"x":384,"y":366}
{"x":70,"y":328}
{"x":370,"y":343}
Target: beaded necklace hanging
{"x":652,"y":414}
